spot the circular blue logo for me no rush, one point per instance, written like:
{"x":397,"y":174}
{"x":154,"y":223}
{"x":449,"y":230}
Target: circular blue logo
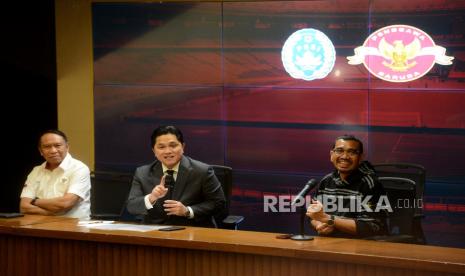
{"x":308,"y":54}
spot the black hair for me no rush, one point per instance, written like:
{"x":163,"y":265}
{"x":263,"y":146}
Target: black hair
{"x":162,"y":130}
{"x":347,"y":137}
{"x":52,"y":131}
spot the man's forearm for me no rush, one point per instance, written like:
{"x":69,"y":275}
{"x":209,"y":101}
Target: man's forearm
{"x":27,"y":208}
{"x":54,"y":205}
{"x":345,"y":225}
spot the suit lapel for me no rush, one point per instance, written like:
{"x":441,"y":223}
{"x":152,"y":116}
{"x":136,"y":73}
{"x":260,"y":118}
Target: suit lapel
{"x":157,"y":174}
{"x":181,"y":180}
{"x":154,"y":180}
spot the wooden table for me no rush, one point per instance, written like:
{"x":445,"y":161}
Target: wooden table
{"x":37,"y":245}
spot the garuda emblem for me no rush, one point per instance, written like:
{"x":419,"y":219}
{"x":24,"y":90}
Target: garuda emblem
{"x":399,"y":53}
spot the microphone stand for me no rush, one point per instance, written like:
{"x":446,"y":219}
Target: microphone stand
{"x":302,"y":236}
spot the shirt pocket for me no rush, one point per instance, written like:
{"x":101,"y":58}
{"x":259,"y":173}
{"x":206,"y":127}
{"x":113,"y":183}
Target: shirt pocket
{"x":61,"y":186}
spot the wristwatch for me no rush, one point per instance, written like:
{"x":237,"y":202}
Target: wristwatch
{"x":187,"y":214}
{"x":331,"y":220}
{"x":33,"y":202}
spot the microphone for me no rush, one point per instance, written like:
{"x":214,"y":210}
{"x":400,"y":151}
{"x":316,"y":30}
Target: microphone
{"x":169,"y":183}
{"x":311,"y":184}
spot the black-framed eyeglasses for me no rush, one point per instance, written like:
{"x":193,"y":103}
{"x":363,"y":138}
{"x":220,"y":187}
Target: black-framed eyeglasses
{"x":350,"y":152}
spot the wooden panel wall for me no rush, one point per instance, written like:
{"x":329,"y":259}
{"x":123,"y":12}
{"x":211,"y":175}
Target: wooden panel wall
{"x":20,"y":255}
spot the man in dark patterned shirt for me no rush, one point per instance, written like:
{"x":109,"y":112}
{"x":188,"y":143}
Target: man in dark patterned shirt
{"x":350,"y":201}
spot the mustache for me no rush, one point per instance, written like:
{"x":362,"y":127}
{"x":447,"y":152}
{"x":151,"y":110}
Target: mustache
{"x":344,"y":159}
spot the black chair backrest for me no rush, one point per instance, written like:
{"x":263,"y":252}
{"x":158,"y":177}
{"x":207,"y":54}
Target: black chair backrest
{"x":224,"y":175}
{"x":109,"y":192}
{"x":414,"y":172}
{"x":401,"y":195}
{"x":404,"y":184}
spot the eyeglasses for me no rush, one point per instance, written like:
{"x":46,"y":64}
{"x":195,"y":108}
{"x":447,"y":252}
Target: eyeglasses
{"x":350,"y":152}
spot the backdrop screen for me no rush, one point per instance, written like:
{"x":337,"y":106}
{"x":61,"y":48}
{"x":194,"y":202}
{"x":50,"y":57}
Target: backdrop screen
{"x":216,"y":71}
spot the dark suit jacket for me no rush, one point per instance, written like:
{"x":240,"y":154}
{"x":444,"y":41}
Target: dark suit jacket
{"x":196,"y":186}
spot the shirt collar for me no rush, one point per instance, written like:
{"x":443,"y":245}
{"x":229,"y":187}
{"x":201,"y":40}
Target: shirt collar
{"x":354,"y":177}
{"x":64,"y":165}
{"x":175,"y":168}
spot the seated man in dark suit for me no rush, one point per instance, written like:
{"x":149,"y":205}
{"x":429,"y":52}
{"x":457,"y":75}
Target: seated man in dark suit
{"x":175,"y":189}
{"x":351,"y":201}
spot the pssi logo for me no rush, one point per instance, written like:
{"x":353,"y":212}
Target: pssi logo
{"x":308,"y":54}
{"x":399,"y":53}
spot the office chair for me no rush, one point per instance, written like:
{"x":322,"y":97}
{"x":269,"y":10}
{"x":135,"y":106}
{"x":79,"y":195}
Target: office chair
{"x":109,"y":192}
{"x":404,"y":185}
{"x":223,"y":219}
